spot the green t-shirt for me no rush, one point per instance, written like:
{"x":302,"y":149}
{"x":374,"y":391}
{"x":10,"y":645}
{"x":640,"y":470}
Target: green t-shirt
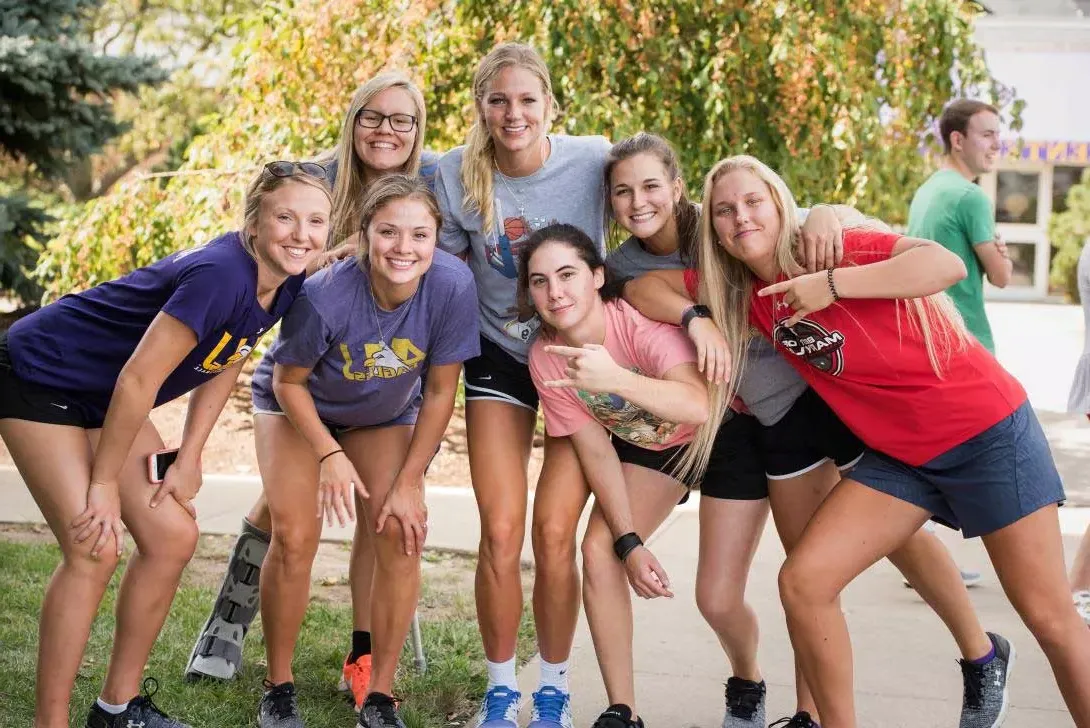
{"x":956,"y":213}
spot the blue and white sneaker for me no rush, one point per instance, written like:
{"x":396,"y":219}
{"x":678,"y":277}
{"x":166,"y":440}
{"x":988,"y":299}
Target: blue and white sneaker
{"x":499,"y":709}
{"x":551,"y":709}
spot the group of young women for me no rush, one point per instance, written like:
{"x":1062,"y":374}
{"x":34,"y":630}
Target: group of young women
{"x":815,"y":368}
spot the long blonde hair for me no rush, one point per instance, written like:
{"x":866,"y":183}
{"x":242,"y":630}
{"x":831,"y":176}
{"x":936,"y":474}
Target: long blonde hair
{"x":350,"y":186}
{"x":478,"y":159}
{"x":726,"y":284}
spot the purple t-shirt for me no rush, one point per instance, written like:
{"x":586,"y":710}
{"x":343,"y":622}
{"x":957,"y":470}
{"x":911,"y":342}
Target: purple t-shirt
{"x":80,"y":343}
{"x":356,"y":382}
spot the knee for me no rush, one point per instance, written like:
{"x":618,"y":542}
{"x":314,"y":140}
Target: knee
{"x":101,"y":568}
{"x":294,"y":545}
{"x":718,"y":600}
{"x":1051,"y":623}
{"x":390,"y":548}
{"x":173,"y":543}
{"x":598,"y":557}
{"x":554,"y":544}
{"x":802,"y":586}
{"x":501,"y":541}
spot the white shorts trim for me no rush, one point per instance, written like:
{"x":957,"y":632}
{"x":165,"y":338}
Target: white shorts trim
{"x":797,"y":473}
{"x":495,"y":395}
{"x":852,"y":464}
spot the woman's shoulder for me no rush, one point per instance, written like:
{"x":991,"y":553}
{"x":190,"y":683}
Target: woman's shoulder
{"x":449,"y":271}
{"x":591,"y":147}
{"x":450,"y":163}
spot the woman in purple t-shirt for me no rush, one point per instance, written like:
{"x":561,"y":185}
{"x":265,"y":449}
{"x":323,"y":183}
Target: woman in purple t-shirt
{"x":626,"y":391}
{"x":77,"y":380}
{"x":344,"y":420}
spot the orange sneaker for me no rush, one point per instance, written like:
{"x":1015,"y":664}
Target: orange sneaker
{"x":355,"y":677}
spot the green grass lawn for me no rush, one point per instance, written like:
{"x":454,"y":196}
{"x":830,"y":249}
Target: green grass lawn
{"x":445,"y":696}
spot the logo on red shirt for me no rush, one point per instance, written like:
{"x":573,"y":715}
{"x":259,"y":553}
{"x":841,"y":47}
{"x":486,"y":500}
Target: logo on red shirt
{"x":821,"y":348}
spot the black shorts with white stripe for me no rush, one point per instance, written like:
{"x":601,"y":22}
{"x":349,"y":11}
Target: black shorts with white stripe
{"x":496,"y":375}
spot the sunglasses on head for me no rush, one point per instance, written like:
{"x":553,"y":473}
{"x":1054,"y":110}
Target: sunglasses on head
{"x":287,"y":169}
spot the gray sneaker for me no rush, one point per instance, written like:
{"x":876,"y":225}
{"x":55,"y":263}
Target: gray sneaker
{"x":278,"y":707}
{"x":745,"y":703}
{"x":986,"y":699}
{"x":140,"y":712}
{"x":379,"y":711}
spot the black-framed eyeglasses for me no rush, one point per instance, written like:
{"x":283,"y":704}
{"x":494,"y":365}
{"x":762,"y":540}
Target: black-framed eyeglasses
{"x":287,"y":169}
{"x":369,"y":119}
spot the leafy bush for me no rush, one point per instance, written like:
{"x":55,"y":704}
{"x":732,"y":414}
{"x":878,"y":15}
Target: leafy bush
{"x":1068,"y":231}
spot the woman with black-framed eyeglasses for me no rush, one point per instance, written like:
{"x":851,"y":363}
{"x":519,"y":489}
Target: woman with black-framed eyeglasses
{"x":77,"y":381}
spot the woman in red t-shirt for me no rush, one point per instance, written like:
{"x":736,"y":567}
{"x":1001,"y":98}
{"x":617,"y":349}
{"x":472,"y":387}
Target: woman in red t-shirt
{"x":949,"y":432}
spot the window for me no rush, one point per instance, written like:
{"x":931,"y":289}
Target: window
{"x":1063,"y":179}
{"x":1016,"y":197}
{"x":1024,"y":257}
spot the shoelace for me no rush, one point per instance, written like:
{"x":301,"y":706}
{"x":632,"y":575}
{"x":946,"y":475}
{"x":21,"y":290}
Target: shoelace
{"x":149,"y":688}
{"x":281,"y":699}
{"x":973,"y":677}
{"x":497,"y":702}
{"x":743,"y":698}
{"x":550,"y":704}
{"x":387,"y":709}
{"x":801,"y":719}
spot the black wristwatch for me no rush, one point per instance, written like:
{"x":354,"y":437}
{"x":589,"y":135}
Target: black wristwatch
{"x":697,"y":311}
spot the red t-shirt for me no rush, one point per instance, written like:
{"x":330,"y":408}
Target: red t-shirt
{"x":869,"y":364}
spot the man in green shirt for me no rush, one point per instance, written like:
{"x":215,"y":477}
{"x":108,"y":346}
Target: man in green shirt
{"x":950,"y":209}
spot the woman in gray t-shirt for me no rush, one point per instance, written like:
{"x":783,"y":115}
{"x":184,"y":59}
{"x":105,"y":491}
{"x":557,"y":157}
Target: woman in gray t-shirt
{"x":511,"y":178}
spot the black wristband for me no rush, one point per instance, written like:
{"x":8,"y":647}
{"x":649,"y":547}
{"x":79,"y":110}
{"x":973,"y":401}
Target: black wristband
{"x":696,"y":311}
{"x":832,"y":286}
{"x":624,"y":545}
{"x":329,"y":455}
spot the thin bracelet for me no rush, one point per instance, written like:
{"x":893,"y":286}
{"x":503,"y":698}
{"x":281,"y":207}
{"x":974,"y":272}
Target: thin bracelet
{"x":832,"y":286}
{"x":329,"y":455}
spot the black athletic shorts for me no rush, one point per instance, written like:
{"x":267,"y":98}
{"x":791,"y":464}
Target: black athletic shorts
{"x":736,"y":470}
{"x":23,"y":400}
{"x":804,"y":438}
{"x":496,"y":375}
{"x":662,"y":461}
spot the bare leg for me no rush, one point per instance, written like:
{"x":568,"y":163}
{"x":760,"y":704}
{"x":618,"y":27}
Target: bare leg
{"x":729,"y":533}
{"x":558,"y":502}
{"x":607,"y":595}
{"x":259,"y":514}
{"x":55,"y":463}
{"x":854,"y":528}
{"x":289,"y":472}
{"x":1028,"y":558}
{"x":1080,"y":569}
{"x":378,"y":455}
{"x":361,"y":570}
{"x":166,"y":537}
{"x":499,"y":438}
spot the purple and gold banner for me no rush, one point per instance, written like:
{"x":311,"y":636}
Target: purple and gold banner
{"x":1051,"y":152}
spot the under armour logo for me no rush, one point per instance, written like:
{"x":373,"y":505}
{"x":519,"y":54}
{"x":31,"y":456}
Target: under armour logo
{"x":134,"y":724}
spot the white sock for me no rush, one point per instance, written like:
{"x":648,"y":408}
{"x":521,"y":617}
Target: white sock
{"x":555,"y":675}
{"x":502,"y":673}
{"x":112,"y":709}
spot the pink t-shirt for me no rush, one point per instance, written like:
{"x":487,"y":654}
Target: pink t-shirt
{"x":636,"y":343}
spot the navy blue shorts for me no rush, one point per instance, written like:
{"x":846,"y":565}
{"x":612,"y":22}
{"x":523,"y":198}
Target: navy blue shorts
{"x":989,"y":481}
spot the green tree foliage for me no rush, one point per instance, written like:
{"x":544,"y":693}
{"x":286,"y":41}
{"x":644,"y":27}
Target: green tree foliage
{"x":1068,"y":231}
{"x":839,"y":97}
{"x":55,"y":105}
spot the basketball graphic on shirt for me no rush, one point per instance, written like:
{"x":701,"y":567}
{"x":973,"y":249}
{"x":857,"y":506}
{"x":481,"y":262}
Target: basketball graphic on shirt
{"x":822,"y":349}
{"x":515,"y":228}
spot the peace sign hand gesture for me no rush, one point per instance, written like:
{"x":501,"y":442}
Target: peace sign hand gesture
{"x":590,"y":368}
{"x":805,"y":294}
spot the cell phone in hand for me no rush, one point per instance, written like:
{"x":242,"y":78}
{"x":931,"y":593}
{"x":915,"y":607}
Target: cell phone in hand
{"x":158,"y":462}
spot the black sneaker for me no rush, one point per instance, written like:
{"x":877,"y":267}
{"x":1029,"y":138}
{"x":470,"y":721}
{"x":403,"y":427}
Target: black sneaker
{"x":800,"y":719}
{"x":745,"y":703}
{"x":140,"y":713}
{"x":278,"y":707}
{"x":618,"y":716}
{"x":986,"y":699}
{"x":380,"y":711}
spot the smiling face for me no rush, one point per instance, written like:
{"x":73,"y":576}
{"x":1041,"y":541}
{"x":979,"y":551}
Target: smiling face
{"x":643,"y":196}
{"x":291,"y":227}
{"x":382,"y":149}
{"x":401,"y":242}
{"x":515,"y":108}
{"x":745,"y":217}
{"x":978,"y":147}
{"x":563,"y":288}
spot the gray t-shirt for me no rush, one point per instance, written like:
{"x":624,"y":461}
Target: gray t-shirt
{"x":359,"y":378}
{"x":770,"y":385}
{"x":568,"y":188}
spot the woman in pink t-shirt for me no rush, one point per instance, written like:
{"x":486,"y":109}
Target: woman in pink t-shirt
{"x":626,"y":390}
{"x":949,"y":432}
